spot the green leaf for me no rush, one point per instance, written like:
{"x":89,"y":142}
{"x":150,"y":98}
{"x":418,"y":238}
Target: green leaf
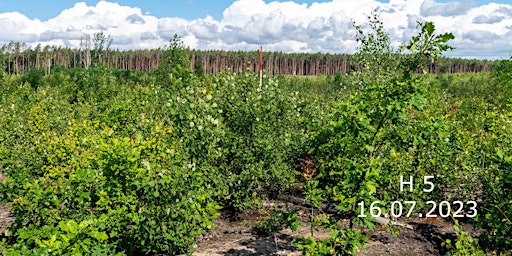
{"x":100,"y":236}
{"x":447,"y":37}
{"x":370,"y":148}
{"x":429,"y":27}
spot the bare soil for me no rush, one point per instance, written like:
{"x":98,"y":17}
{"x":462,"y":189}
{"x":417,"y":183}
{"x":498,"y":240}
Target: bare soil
{"x":233,"y":236}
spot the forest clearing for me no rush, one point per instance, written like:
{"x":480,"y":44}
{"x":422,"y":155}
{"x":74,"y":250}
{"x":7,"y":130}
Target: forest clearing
{"x":390,"y":157}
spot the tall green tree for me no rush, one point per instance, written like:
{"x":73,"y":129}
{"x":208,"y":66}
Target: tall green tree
{"x":102,"y":44}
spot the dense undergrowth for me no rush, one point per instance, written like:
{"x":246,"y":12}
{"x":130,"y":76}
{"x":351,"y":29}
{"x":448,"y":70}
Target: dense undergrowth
{"x":101,"y":161}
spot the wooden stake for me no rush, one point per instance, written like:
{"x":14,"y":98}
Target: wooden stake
{"x":261,"y":65}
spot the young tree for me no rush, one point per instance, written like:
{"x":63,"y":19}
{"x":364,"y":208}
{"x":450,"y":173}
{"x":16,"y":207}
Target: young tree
{"x":101,"y":44}
{"x":175,"y":65}
{"x":366,"y":127}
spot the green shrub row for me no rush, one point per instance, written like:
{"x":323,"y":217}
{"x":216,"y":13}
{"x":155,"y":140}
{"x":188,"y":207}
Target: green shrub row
{"x":138,"y":165}
{"x":101,"y":161}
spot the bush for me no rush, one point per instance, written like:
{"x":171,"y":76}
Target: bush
{"x":139,"y":168}
{"x":130,"y":194}
{"x":261,"y":136}
{"x":34,"y":77}
{"x":496,"y":160}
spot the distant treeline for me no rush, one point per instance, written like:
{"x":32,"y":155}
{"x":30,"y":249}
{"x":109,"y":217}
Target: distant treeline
{"x":17,"y":58}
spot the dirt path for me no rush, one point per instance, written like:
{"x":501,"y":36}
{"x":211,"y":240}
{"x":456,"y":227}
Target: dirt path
{"x":5,"y":218}
{"x":236,"y":238}
{"x":233,"y":236}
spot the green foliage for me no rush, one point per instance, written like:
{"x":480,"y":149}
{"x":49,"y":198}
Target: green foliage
{"x":102,"y":44}
{"x":372,"y":121}
{"x":259,"y":136}
{"x":502,"y":72}
{"x":198,"y":69}
{"x":138,"y":191}
{"x":146,"y":162}
{"x":277,"y":221}
{"x":175,"y":67}
{"x":101,"y":41}
{"x":375,"y":58}
{"x":496,"y":214}
{"x":2,"y":61}
{"x":322,"y":88}
{"x":378,"y":118}
{"x":81,"y":148}
{"x":34,"y":77}
{"x":479,"y":124}
{"x":66,"y":238}
{"x":465,"y":245}
{"x":103,"y":161}
{"x":428,"y":44}
{"x":340,"y":242}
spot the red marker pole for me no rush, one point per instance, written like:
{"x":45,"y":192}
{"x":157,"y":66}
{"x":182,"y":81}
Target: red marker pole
{"x":261,"y":65}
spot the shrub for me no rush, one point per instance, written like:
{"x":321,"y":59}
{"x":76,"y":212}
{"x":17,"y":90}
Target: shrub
{"x":261,"y":136}
{"x":135,"y":194}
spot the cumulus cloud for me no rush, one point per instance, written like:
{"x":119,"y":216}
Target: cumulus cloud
{"x":432,"y":8}
{"x":17,"y":27}
{"x":479,"y":36}
{"x":69,"y":34}
{"x":487,"y":19}
{"x":481,"y":31}
{"x":505,"y":11}
{"x":135,"y":19}
{"x":147,"y":36}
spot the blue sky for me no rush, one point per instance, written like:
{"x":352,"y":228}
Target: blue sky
{"x":187,"y":9}
{"x":482,"y":28}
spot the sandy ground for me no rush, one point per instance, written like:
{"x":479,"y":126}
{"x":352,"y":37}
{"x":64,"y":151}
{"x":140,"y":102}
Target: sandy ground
{"x":234,"y":237}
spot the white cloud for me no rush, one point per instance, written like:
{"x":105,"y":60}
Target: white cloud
{"x":69,"y":34}
{"x":481,"y":31}
{"x":489,"y":19}
{"x":17,"y":27}
{"x":135,"y":19}
{"x":432,"y":8}
{"x":147,"y":36}
{"x":481,"y":37}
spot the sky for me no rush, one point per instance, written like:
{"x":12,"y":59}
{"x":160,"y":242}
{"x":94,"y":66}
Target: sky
{"x":482,"y":29}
